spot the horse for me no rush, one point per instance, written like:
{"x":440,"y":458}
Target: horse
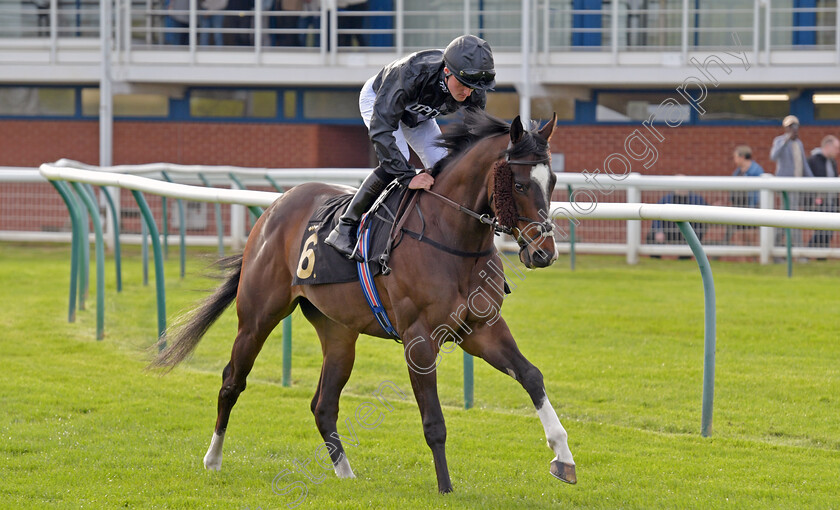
{"x":497,"y":178}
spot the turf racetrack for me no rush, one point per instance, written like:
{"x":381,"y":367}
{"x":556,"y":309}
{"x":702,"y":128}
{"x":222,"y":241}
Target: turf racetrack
{"x":621,"y":349}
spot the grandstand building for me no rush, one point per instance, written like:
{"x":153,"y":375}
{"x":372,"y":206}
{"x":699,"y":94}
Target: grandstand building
{"x":677,"y":84}
{"x":724,"y":72}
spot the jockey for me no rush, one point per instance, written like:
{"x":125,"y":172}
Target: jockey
{"x":399,"y":106}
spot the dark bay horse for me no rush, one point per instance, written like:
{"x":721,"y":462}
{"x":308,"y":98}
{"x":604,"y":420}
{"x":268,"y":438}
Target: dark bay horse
{"x":501,"y":175}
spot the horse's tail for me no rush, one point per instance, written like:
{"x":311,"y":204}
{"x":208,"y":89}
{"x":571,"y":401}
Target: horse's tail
{"x":183,"y":337}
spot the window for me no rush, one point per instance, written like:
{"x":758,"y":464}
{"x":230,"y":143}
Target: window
{"x":731,"y":106}
{"x":37,"y":101}
{"x":330,"y":104}
{"x":261,"y":104}
{"x":640,"y":106}
{"x":127,"y":105}
{"x":826,"y":105}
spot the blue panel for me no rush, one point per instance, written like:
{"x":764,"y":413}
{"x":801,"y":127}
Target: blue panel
{"x":804,"y":19}
{"x":587,"y":21}
{"x":803,"y":107}
{"x":381,"y":23}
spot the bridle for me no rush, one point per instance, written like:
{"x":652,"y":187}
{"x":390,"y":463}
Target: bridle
{"x":545,"y":228}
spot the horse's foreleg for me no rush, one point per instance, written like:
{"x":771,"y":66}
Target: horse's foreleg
{"x":257,"y":318}
{"x":339,"y":347}
{"x":421,"y":357}
{"x":496,"y":345}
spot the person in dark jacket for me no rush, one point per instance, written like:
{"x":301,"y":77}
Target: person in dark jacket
{"x":399,"y":106}
{"x":823,"y":163}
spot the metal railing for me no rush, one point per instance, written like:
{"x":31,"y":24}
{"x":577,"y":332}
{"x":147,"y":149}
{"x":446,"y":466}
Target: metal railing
{"x":555,"y":26}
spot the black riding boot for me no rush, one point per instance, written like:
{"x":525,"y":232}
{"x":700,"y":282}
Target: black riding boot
{"x":343,"y":236}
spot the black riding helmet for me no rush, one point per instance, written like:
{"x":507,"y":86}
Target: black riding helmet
{"x":470,"y":60}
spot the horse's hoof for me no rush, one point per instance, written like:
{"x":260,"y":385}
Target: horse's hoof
{"x":211,"y":464}
{"x":563,"y":471}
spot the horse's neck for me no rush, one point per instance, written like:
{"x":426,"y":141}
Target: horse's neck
{"x":465,"y":182}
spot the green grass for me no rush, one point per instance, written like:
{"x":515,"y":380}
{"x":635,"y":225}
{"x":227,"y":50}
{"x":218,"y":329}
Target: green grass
{"x":621,"y":349}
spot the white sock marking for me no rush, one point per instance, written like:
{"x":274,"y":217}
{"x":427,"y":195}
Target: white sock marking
{"x":555,"y":434}
{"x":342,"y":469}
{"x":213,"y":457}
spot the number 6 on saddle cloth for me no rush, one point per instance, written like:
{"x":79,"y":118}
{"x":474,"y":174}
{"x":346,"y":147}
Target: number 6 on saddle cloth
{"x":321,"y":264}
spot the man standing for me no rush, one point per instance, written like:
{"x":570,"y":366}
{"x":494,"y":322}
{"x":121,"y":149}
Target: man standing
{"x":789,"y":154}
{"x":823,"y":163}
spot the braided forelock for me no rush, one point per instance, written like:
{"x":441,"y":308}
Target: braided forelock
{"x":506,"y":212}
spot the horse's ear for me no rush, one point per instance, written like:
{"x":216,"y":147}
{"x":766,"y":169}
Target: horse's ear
{"x":516,"y":130}
{"x":548,"y":129}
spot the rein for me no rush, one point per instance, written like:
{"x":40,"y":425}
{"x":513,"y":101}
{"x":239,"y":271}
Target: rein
{"x":546,"y":229}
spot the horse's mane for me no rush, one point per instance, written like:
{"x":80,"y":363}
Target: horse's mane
{"x":478,"y":125}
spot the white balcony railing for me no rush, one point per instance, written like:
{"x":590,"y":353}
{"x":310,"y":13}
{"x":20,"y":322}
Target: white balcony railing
{"x":65,"y":35}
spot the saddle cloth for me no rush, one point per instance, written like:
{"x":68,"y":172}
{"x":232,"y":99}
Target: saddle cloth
{"x":320,"y":263}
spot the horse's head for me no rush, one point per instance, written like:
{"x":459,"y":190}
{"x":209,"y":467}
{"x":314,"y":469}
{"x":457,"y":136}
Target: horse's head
{"x":522,"y":186}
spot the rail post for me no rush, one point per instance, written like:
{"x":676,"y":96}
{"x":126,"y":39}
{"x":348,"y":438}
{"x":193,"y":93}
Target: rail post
{"x":75,"y":244}
{"x":220,"y":227}
{"x":115,"y":221}
{"x":100,"y":258}
{"x":709,"y":340}
{"x":159,"y":285}
{"x":468,"y":381}
{"x":287,"y":351}
{"x":182,"y":229}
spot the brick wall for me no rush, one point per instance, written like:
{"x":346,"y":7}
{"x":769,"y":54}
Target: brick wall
{"x":30,"y":143}
{"x":689,"y":150}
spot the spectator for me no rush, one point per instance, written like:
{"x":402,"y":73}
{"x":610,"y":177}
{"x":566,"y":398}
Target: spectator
{"x":823,"y":163}
{"x":289,"y":22}
{"x":352,"y":22}
{"x":177,"y":22}
{"x":43,"y":9}
{"x":744,"y":167}
{"x":667,"y":232}
{"x":312,"y":19}
{"x":241,"y":20}
{"x":211,"y":22}
{"x":399,"y":106}
{"x":789,"y":154}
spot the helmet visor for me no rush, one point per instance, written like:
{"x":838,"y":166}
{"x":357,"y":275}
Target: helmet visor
{"x":477,"y":79}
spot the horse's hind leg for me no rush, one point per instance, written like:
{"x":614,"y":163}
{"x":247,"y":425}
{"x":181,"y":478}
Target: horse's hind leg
{"x":497,"y":347}
{"x":258,"y":316}
{"x":338,"y":345}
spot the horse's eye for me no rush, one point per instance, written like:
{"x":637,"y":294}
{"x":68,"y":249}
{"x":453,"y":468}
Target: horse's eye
{"x":519,"y":188}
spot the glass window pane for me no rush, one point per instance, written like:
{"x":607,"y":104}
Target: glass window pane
{"x":504,"y":105}
{"x":127,"y":105}
{"x":827,"y":111}
{"x":32,"y":101}
{"x":542,"y":108}
{"x":233,"y":103}
{"x":290,"y":104}
{"x":826,"y":105}
{"x":330,"y":104}
{"x":639,"y":106}
{"x":730,"y":106}
{"x":263,"y":104}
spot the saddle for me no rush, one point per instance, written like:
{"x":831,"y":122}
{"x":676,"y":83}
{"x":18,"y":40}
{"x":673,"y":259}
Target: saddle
{"x":321,"y":264}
